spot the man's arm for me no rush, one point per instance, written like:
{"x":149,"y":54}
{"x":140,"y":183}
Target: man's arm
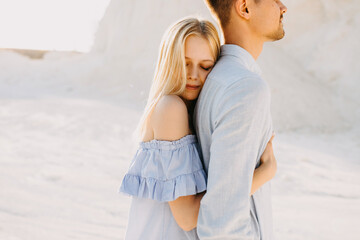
{"x":235,"y":144}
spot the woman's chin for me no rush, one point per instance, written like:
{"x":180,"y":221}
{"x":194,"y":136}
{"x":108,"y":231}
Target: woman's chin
{"x":191,"y":97}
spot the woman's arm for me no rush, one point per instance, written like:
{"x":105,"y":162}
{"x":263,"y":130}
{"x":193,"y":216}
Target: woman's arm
{"x":267,"y":169}
{"x":186,"y":209}
{"x":169,"y":121}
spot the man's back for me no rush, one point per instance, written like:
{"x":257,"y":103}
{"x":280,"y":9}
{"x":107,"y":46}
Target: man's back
{"x":233,"y":124}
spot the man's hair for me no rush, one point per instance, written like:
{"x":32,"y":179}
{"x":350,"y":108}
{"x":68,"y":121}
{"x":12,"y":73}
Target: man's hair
{"x":221,"y":9}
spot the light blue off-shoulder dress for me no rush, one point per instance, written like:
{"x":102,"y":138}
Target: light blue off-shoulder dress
{"x":162,"y":171}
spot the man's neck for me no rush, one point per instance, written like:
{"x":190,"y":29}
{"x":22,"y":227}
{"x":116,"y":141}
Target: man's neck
{"x":251,"y":44}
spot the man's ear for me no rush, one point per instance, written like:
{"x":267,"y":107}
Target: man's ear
{"x":241,"y":9}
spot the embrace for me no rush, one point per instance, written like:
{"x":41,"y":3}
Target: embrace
{"x":205,"y":157}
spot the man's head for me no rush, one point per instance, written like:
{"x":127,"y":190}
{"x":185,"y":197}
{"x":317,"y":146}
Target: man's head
{"x":261,"y":18}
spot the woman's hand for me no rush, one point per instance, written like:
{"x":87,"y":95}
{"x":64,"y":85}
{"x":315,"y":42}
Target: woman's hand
{"x":267,"y":169}
{"x":268,"y":160}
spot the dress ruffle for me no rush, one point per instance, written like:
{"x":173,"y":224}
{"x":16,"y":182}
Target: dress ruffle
{"x":165,"y":170}
{"x":164,"y":191}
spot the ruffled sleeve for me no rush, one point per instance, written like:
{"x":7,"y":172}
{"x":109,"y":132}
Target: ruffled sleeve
{"x":165,"y":170}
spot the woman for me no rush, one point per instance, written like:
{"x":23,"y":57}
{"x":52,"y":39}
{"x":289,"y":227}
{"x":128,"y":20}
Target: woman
{"x":166,"y":177}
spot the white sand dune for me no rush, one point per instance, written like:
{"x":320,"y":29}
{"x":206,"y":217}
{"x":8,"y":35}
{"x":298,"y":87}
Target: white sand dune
{"x":314,"y":68}
{"x":66,"y":124}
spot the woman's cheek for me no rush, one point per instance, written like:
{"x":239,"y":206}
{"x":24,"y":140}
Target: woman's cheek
{"x":205,"y":75}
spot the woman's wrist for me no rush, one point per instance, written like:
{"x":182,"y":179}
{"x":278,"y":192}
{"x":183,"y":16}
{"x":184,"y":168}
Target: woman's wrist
{"x":272,"y":168}
{"x":268,"y":169}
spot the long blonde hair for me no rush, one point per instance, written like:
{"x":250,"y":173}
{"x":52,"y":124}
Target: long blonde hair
{"x":170,"y":73}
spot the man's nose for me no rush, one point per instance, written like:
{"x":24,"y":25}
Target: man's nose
{"x":283,"y":8}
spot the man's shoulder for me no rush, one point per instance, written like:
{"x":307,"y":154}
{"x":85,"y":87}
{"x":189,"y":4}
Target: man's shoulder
{"x":230,"y":75}
{"x":238,"y":79}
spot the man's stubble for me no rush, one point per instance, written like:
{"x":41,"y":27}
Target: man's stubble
{"x":278,"y":34}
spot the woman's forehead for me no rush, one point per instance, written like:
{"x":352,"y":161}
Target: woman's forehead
{"x":198,"y":48}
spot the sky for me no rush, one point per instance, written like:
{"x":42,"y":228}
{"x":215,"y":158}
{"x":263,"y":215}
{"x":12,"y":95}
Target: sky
{"x":63,"y":25}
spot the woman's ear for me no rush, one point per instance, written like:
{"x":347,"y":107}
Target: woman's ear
{"x":241,"y":9}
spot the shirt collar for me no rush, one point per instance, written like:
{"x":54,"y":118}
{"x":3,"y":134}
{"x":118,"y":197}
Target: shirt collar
{"x":243,"y":57}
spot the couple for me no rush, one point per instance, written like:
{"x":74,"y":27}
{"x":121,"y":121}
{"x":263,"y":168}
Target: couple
{"x":205,"y":156}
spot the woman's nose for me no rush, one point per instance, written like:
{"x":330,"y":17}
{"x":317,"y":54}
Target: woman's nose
{"x":192,"y":73}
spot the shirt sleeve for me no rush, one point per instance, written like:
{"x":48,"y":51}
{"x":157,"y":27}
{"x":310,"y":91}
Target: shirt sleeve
{"x":165,"y":170}
{"x":239,"y":128}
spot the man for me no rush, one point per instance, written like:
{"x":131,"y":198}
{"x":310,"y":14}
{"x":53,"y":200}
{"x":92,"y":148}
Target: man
{"x":233,"y":123}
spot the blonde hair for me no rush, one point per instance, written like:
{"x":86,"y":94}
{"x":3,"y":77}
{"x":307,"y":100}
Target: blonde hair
{"x":170,"y":72}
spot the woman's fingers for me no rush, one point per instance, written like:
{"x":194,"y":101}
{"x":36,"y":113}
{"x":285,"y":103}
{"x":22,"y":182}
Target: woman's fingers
{"x":268,"y":153}
{"x":272,"y":137}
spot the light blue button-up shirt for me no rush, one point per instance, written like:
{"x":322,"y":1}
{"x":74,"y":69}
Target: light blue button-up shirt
{"x":233,"y":123}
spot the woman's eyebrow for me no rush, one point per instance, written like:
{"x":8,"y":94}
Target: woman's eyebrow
{"x":205,"y":60}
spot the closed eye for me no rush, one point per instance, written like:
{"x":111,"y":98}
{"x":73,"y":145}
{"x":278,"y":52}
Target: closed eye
{"x":206,"y":69}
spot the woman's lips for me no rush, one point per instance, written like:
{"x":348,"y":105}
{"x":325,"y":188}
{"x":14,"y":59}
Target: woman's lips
{"x":192,"y":87}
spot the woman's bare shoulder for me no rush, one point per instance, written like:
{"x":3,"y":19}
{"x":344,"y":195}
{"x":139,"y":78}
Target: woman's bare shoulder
{"x":169,"y":119}
{"x":171,"y":103}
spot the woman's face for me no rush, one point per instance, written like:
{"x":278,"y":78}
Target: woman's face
{"x":199,"y":62}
